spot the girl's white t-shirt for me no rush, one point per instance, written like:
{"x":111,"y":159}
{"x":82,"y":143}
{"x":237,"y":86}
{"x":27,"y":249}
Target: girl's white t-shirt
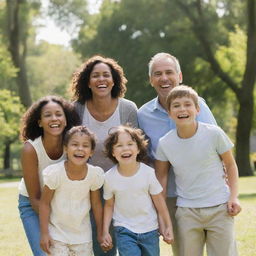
{"x":133,"y":206}
{"x":101,"y":130}
{"x":70,"y":205}
{"x":43,"y":161}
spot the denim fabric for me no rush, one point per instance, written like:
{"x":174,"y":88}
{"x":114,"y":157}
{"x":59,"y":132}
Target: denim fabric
{"x":96,"y":246}
{"x":31,"y":226}
{"x":144,"y":244}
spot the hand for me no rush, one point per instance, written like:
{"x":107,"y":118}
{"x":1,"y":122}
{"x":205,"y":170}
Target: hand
{"x":234,"y":206}
{"x":106,"y":243}
{"x":46,"y":243}
{"x":168,"y":235}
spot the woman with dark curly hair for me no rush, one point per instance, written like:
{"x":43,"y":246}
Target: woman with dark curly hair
{"x":43,"y":127}
{"x":98,"y":89}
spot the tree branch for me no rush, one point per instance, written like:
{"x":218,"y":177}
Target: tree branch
{"x":201,"y":31}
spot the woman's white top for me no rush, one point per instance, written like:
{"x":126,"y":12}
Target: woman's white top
{"x":133,"y":205}
{"x":43,"y":161}
{"x":101,"y":129}
{"x":70,"y":205}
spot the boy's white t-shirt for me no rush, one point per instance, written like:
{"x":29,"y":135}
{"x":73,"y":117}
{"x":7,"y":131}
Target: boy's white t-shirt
{"x":133,"y":206}
{"x":70,"y":205}
{"x":199,"y":174}
{"x":101,"y":130}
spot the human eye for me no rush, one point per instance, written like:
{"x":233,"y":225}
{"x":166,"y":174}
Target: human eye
{"x":157,"y":74}
{"x":107,"y":75}
{"x":94,"y":75}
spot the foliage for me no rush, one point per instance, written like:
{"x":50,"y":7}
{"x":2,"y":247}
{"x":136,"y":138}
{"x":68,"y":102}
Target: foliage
{"x":10,"y":113}
{"x":50,"y":69}
{"x":7,"y":70}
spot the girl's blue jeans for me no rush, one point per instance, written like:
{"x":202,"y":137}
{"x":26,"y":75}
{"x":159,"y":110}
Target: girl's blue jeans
{"x":31,"y":226}
{"x":130,"y":243}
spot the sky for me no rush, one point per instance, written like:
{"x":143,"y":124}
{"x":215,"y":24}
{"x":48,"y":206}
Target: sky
{"x":49,"y":32}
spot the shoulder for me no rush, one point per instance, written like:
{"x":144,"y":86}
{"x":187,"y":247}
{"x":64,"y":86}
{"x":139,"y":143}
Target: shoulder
{"x":111,"y":172}
{"x":148,"y":106}
{"x":54,"y":169}
{"x":127,"y":104}
{"x":210,"y":127}
{"x":146,"y":169}
{"x":30,"y":147}
{"x":169,"y":135}
{"x":95,"y":170}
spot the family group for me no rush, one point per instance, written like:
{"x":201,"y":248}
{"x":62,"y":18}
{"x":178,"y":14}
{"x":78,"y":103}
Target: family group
{"x":101,"y":177}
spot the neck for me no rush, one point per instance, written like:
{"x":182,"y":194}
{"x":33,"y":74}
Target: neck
{"x":75,"y":172}
{"x":128,"y":169}
{"x":187,"y":131}
{"x":162,"y":102}
{"x":102,"y":103}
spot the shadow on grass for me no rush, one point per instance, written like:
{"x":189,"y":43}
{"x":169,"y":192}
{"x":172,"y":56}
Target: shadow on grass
{"x":247,"y":196}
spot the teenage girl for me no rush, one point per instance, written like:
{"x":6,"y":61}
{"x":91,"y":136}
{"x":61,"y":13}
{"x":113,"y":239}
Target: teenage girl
{"x":133,"y":197}
{"x":71,"y":188}
{"x":43,"y":127}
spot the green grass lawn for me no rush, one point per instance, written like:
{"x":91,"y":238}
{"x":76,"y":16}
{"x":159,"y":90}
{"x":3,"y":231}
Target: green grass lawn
{"x":13,"y":241}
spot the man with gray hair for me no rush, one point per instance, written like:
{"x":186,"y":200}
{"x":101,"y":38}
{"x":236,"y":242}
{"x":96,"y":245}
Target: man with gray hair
{"x":164,"y":74}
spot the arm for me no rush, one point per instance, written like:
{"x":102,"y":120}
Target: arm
{"x":232,"y":174}
{"x":162,"y":169}
{"x":97,"y":211}
{"x":29,"y":163}
{"x":165,"y":223}
{"x":44,"y":214}
{"x":108,"y":213}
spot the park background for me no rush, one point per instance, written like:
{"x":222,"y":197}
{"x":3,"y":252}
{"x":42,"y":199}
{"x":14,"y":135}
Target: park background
{"x":215,"y":41}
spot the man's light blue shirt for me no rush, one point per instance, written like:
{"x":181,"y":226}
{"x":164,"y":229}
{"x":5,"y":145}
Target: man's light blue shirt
{"x":155,"y":122}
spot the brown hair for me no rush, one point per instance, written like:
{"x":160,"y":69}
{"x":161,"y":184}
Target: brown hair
{"x":182,"y":91}
{"x":136,"y":135}
{"x":80,"y":81}
{"x":80,"y":129}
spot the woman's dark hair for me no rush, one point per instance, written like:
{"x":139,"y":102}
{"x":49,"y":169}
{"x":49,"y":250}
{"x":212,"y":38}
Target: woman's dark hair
{"x":29,"y":123}
{"x":82,"y":130}
{"x":80,"y":81}
{"x":136,"y":135}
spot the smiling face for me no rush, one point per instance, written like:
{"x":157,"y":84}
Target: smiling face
{"x":183,"y":111}
{"x":53,"y":120}
{"x":126,"y":149}
{"x":79,"y":149}
{"x":164,"y":77}
{"x":101,"y":80}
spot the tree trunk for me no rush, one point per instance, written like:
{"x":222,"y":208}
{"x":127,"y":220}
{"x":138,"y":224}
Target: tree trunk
{"x":13,"y":8}
{"x":7,"y":155}
{"x":243,"y":131}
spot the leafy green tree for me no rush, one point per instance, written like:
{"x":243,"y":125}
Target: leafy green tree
{"x":50,"y":69}
{"x":200,"y":14}
{"x":10,"y":114}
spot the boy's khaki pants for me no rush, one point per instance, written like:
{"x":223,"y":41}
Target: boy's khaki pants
{"x":211,"y":226}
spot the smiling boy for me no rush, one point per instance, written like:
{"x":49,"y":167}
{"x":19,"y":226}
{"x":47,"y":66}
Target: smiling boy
{"x":206,"y":204}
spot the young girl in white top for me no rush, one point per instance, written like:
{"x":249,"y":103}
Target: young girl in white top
{"x":133,"y":197}
{"x":43,"y":127}
{"x":71,"y":188}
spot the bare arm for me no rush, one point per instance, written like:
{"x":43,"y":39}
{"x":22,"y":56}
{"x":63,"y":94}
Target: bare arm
{"x":29,"y":163}
{"x":232,"y":173}
{"x":165,"y":223}
{"x":44,"y":214}
{"x":162,"y":169}
{"x":97,"y":211}
{"x":108,"y":213}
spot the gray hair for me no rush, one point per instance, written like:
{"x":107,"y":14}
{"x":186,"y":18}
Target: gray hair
{"x":163,"y":55}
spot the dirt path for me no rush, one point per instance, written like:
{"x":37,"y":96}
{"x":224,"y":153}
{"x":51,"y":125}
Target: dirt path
{"x":9,"y":184}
